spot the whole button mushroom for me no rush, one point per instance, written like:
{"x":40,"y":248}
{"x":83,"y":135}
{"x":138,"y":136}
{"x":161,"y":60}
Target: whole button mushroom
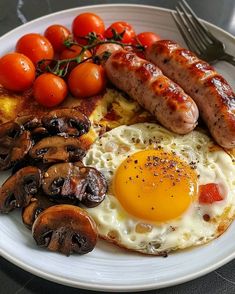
{"x":57,"y":149}
{"x":65,"y":228}
{"x":14,"y":144}
{"x":75,"y":181}
{"x":66,"y":122}
{"x":18,"y":189}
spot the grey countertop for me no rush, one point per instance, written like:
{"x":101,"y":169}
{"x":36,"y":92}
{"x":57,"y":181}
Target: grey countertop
{"x":14,"y":13}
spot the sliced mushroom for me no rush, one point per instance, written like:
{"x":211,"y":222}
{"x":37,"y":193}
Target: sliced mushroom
{"x":57,"y":149}
{"x":67,"y":121}
{"x":95,"y":187}
{"x":75,"y":181}
{"x":18,"y":189}
{"x":29,"y":161}
{"x":61,"y":180}
{"x":36,"y":205}
{"x":14,"y":144}
{"x":39,"y":133}
{"x":20,"y":164}
{"x":29,"y":122}
{"x":66,"y":229}
{"x":34,"y":125}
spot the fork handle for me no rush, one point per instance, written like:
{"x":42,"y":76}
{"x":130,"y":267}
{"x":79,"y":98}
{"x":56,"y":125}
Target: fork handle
{"x":229,"y":58}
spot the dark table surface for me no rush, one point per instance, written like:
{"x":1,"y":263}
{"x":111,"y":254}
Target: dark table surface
{"x":15,"y":12}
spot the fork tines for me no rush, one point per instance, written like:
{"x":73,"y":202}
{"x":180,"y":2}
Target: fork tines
{"x":196,"y":35}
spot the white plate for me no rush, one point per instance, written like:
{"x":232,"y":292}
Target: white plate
{"x":109,"y":268}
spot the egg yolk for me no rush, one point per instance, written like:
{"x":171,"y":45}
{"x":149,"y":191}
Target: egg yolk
{"x":155,"y":185}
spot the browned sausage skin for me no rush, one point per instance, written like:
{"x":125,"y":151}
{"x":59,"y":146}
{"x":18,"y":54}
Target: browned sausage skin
{"x":211,"y":92}
{"x":145,"y":83}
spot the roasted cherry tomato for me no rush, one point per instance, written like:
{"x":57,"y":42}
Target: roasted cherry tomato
{"x":35,"y":47}
{"x":17,"y":72}
{"x":57,"y":34}
{"x":146,"y":39}
{"x":49,"y":90}
{"x":86,"y":79}
{"x":120,"y":28}
{"x":86,"y":23}
{"x":209,"y":193}
{"x":74,"y":51}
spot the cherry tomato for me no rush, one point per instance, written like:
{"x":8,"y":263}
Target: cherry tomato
{"x":17,"y":72}
{"x":120,"y":27}
{"x":86,"y":23}
{"x":74,"y":51}
{"x":86,"y":79}
{"x":146,"y":39}
{"x":57,"y":34}
{"x":35,"y":47}
{"x":209,"y":193}
{"x":49,"y":90}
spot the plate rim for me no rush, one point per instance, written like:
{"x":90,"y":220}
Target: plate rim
{"x":109,"y":5}
{"x":99,"y":287}
{"x":108,"y":288}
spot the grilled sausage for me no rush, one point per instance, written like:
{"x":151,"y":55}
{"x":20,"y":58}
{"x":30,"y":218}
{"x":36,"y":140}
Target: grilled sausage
{"x":145,"y":83}
{"x":213,"y":95}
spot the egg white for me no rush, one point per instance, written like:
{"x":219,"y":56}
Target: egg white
{"x":211,"y":163}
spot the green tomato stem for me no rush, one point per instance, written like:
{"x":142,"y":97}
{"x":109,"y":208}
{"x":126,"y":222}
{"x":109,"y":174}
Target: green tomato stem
{"x":62,"y":72}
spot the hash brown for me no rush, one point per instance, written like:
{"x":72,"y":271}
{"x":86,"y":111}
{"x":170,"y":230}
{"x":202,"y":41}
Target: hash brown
{"x":106,"y":111}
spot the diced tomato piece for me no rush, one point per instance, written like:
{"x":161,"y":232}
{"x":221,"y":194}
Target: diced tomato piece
{"x":209,"y":193}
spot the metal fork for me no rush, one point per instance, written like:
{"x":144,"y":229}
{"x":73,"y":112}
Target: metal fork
{"x":197,"y":37}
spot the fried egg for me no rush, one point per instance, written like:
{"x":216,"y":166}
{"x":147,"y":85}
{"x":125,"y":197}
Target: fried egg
{"x":155,"y":178}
